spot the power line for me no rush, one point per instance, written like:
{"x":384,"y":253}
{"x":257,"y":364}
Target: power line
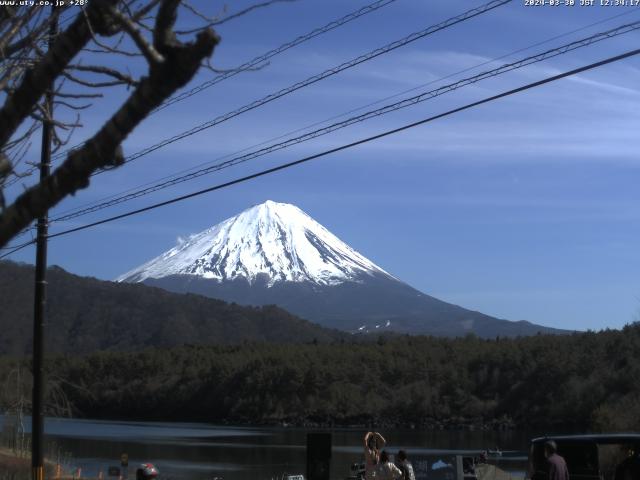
{"x":359,"y":118}
{"x":22,"y":245}
{"x":316,"y":78}
{"x":334,"y":117}
{"x":327,"y":73}
{"x":251,"y":64}
{"x":353,"y":144}
{"x":17,"y":248}
{"x":261,"y":59}
{"x":321,"y":76}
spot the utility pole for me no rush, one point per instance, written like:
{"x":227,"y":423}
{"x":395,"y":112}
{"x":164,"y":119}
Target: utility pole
{"x":37,"y":403}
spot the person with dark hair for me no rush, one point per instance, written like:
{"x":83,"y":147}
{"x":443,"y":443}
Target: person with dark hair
{"x":373,"y":442}
{"x":405,"y":466}
{"x":557,"y":466}
{"x":386,"y":468}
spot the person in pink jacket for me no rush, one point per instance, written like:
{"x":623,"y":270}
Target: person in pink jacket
{"x":557,"y":465}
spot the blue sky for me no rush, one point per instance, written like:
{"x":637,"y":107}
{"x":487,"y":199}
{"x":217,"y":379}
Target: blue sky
{"x":525,"y":208}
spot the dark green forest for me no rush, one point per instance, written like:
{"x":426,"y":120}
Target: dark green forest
{"x":86,"y":315}
{"x":584,"y":381}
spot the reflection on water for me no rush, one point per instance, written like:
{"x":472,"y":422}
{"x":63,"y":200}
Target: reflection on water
{"x":198,"y":451}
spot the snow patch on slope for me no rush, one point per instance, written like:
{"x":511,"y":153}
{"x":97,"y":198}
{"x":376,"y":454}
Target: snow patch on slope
{"x":274,"y":239}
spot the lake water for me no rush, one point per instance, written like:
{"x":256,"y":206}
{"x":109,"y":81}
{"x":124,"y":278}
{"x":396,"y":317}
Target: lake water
{"x":199,"y":451}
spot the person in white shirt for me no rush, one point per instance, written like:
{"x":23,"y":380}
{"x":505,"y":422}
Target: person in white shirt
{"x":386,"y":468}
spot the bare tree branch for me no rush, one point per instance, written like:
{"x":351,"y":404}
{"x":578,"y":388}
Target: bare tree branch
{"x":71,"y":106}
{"x":126,"y":79}
{"x":103,"y":149}
{"x":29,"y":67}
{"x":55,"y":123}
{"x":13,"y":30}
{"x":37,"y":79}
{"x":247,"y":10}
{"x":90,"y":84}
{"x":109,"y":50}
{"x":145,"y":47}
{"x":36,"y":34}
{"x":140,"y":14}
{"x":5,"y":166}
{"x":16,"y":141}
{"x":61,"y":142}
{"x":164,"y":37}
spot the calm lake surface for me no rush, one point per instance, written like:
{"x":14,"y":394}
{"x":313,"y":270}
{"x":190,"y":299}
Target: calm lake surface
{"x":199,"y":451}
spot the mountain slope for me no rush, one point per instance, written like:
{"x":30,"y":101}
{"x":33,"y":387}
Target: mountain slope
{"x":273,"y":241}
{"x":85,"y":315}
{"x":377,"y":305}
{"x":274,"y":253}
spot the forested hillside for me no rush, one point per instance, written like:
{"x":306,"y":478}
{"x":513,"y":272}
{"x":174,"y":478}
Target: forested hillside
{"x":85,"y":315}
{"x":581,"y":381}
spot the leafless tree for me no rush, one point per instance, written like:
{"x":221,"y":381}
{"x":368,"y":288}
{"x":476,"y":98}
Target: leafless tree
{"x":12,"y":401}
{"x":15,"y":402}
{"x":79,"y":64}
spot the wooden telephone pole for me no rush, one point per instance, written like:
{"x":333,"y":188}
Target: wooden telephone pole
{"x":37,"y":413}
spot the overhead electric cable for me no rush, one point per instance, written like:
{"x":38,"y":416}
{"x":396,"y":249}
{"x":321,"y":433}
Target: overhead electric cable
{"x":16,"y":249}
{"x":358,"y":118}
{"x":263,"y":58}
{"x":321,"y":76}
{"x":251,"y":64}
{"x":334,"y":117}
{"x":11,"y":247}
{"x":352,"y":144}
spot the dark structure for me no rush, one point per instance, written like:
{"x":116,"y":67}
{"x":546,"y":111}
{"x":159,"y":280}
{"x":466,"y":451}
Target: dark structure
{"x":589,"y":457}
{"x":318,"y":456}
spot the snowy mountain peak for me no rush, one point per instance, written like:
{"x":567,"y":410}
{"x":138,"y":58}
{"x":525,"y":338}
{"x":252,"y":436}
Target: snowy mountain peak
{"x":274,"y":241}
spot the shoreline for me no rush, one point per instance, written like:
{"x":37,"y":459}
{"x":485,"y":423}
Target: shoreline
{"x":428,"y":424}
{"x":361,"y":423}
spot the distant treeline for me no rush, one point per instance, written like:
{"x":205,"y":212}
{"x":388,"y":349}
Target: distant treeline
{"x":581,"y":381}
{"x":86,"y":315}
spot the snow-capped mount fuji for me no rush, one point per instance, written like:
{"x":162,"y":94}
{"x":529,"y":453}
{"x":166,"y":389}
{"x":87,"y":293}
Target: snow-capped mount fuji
{"x":274,"y":253}
{"x":273,"y":241}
